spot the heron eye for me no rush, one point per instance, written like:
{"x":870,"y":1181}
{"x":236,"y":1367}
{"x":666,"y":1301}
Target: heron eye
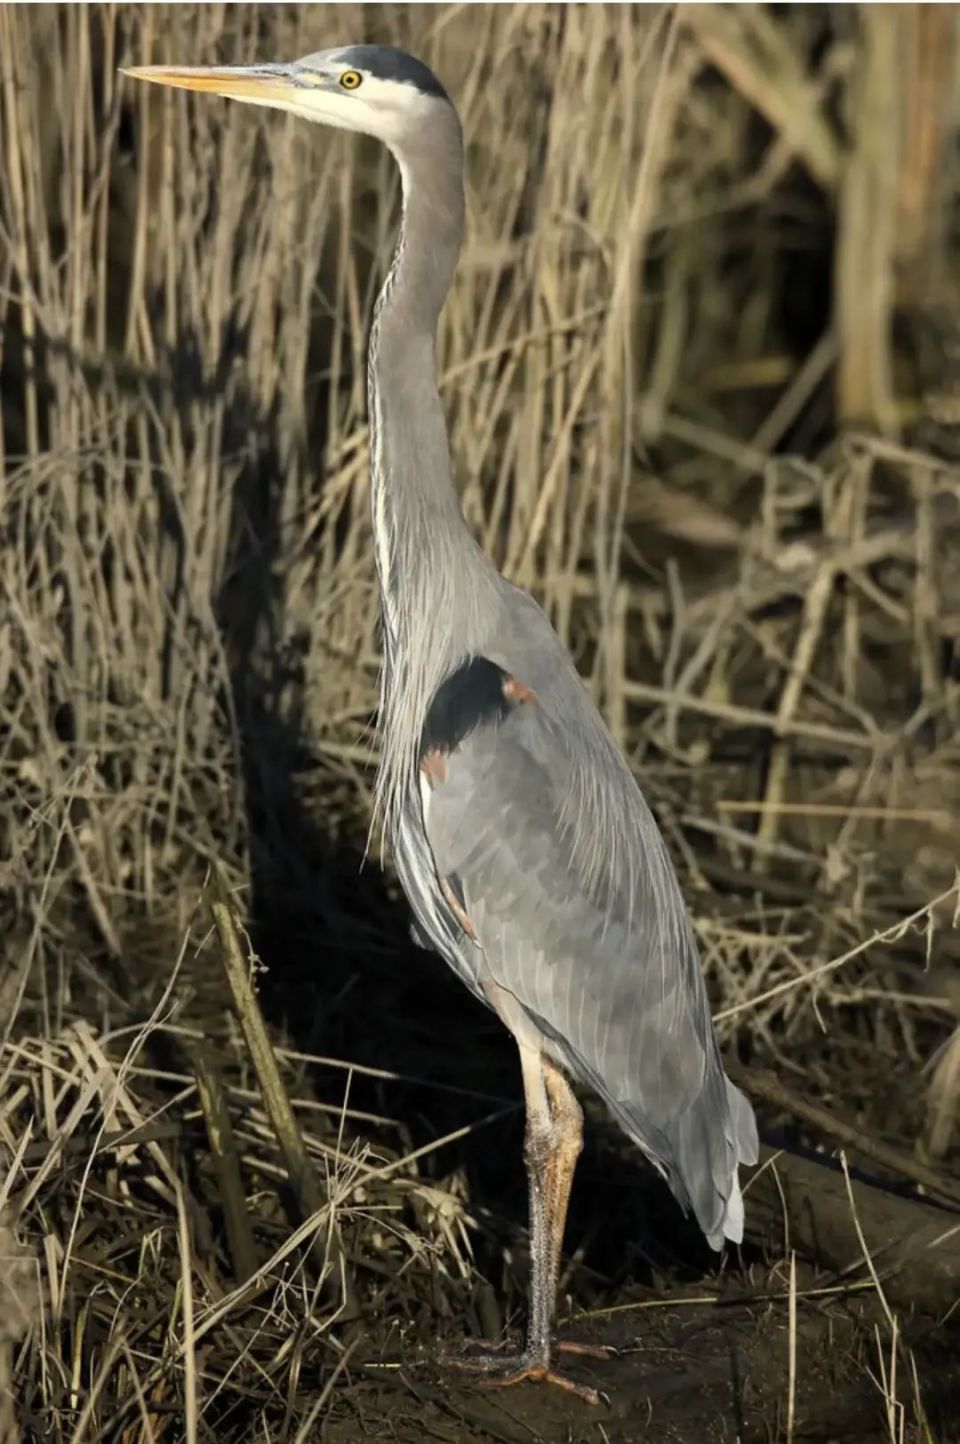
{"x":350,"y":79}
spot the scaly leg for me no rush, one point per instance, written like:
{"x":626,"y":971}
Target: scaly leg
{"x":567,"y":1117}
{"x":552,"y":1146}
{"x":568,"y":1125}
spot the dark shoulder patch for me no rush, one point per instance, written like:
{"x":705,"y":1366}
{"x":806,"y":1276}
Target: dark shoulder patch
{"x":473,"y":695}
{"x":386,"y":62}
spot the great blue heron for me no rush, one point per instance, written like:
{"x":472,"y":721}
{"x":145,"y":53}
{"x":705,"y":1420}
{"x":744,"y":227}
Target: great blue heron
{"x":529,"y":857}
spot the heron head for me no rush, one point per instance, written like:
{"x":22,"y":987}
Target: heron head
{"x":374,"y":89}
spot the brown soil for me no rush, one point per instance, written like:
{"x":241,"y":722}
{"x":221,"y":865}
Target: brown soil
{"x":685,"y":1375}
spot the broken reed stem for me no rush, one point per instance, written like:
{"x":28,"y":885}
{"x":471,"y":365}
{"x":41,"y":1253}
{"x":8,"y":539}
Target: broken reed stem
{"x":275,"y":1096}
{"x":754,"y":717}
{"x":226,"y":1161}
{"x":811,"y":628}
{"x":303,"y":1181}
{"x":936,"y":817}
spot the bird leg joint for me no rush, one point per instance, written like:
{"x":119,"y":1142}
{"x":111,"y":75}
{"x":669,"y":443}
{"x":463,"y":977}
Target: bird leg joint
{"x":566,"y":1113}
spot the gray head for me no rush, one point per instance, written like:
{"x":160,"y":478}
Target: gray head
{"x":374,"y":89}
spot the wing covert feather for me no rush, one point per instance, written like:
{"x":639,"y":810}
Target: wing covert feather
{"x":550,"y":868}
{"x":591,"y":974}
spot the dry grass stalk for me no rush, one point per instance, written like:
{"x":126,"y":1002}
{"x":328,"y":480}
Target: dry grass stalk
{"x":866,"y":243}
{"x":239,"y":968}
{"x":894,"y":1408}
{"x":143,"y":1246}
{"x":19,"y":1311}
{"x":792,"y":1337}
{"x":223,"y":1148}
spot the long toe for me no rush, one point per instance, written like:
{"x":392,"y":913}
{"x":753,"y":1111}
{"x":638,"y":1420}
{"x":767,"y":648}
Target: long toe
{"x":493,"y":1358}
{"x":473,"y":1347}
{"x":601,"y":1352}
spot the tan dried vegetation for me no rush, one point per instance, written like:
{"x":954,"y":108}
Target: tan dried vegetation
{"x":187,"y":627}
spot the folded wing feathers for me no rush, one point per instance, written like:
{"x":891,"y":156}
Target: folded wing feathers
{"x":579,"y":914}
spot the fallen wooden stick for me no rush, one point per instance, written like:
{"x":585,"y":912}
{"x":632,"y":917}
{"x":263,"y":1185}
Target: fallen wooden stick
{"x":762,"y":1084}
{"x":797,"y":1201}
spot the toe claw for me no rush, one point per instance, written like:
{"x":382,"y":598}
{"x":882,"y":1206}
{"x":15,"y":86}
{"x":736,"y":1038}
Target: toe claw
{"x":582,"y":1391}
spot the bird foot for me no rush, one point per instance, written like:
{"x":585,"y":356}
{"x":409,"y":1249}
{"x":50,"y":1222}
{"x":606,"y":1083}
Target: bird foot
{"x":500,"y":1370}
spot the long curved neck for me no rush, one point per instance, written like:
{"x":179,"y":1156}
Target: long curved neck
{"x":437,"y":589}
{"x":413,"y":499}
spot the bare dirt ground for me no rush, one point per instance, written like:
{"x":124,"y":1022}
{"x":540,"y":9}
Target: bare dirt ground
{"x":711,"y":1374}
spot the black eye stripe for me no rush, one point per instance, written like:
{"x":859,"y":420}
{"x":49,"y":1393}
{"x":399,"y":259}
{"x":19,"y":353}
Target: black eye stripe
{"x":384,"y":62}
{"x":373,"y":62}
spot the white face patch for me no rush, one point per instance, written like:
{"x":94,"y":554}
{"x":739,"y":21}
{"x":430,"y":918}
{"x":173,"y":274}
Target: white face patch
{"x":386,"y":109}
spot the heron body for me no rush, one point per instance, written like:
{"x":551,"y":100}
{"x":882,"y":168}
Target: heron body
{"x":530,"y":859}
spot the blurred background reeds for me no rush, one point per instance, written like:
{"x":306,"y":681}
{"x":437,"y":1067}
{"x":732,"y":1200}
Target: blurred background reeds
{"x":701,"y":366}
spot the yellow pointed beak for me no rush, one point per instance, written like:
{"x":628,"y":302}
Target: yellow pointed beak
{"x":265,"y":84}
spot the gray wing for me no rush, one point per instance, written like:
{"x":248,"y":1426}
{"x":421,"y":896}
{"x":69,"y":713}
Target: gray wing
{"x":603,"y":961}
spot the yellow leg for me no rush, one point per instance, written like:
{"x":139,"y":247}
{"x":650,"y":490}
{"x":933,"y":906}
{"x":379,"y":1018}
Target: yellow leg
{"x":554,"y":1138}
{"x":567,"y":1118}
{"x":568,"y":1125}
